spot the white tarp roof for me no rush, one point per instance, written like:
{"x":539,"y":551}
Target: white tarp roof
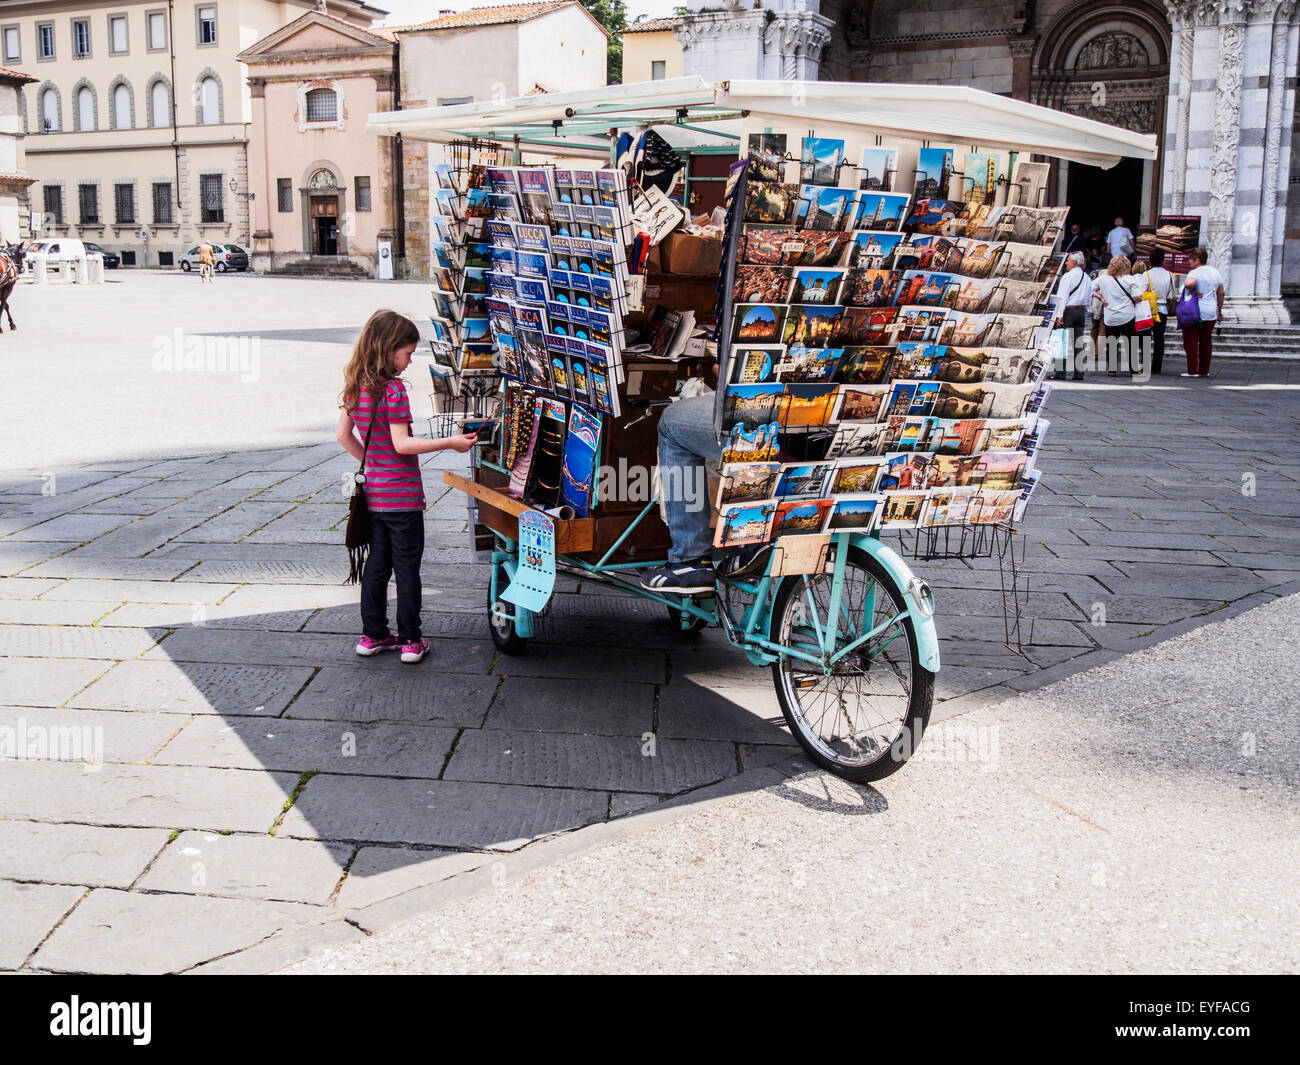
{"x":706,"y":113}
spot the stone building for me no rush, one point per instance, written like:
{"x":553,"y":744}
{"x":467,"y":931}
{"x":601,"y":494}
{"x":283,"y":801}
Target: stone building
{"x":15,"y":208}
{"x":1214,"y":80}
{"x":325,"y":190}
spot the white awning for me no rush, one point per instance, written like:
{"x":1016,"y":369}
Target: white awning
{"x":580,"y":122}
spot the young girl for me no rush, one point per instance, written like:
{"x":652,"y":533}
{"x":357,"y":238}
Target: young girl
{"x":393,"y":489}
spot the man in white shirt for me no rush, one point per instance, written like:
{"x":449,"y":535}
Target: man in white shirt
{"x":1073,"y":293}
{"x":1162,"y":284}
{"x":1120,"y":239}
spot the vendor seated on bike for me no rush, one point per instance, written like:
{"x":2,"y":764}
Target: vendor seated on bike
{"x":686,"y":442}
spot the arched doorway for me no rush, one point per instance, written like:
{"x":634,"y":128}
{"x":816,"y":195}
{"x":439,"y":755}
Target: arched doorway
{"x":323,"y":208}
{"x":1107,"y":61}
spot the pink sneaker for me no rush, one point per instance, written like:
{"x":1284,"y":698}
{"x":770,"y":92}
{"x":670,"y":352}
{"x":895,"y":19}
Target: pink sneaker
{"x":415,"y":652}
{"x":367,"y":647}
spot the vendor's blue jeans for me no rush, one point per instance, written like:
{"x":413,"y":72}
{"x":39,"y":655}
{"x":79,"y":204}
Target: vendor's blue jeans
{"x":686,"y":442}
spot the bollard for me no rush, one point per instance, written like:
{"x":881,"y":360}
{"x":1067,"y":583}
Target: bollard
{"x":38,"y":268}
{"x":82,"y":275}
{"x":95,"y":269}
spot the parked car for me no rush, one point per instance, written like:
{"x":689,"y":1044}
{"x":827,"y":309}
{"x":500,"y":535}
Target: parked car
{"x":111,"y":259}
{"x":229,"y":257}
{"x":62,"y":250}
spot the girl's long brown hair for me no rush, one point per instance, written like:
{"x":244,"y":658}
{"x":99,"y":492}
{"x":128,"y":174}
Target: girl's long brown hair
{"x":373,"y":364}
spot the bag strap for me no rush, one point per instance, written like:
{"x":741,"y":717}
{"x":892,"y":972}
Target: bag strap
{"x":374,"y":415}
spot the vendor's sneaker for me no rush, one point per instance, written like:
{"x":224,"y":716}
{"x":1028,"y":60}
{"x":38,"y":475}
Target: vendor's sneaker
{"x":681,"y":578}
{"x":415,"y":652}
{"x":367,"y":647}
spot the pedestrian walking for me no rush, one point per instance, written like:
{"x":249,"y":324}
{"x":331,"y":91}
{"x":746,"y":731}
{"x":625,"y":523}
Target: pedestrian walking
{"x":1204,"y":285}
{"x":1119,"y":292}
{"x":1120,"y":240}
{"x":207,"y":262}
{"x":1073,"y":295}
{"x":1160,"y":282}
{"x":375,"y":429}
{"x":1076,"y":241}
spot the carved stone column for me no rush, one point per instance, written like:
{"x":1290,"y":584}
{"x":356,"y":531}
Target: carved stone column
{"x":797,"y":38}
{"x":1182,"y":14}
{"x":1022,"y":60}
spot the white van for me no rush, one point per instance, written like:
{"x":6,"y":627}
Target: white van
{"x":62,"y":250}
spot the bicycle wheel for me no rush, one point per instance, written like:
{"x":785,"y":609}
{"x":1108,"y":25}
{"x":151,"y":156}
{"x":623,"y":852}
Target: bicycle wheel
{"x":865,"y":717}
{"x":507,"y":640}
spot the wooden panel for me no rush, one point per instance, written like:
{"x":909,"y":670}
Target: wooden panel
{"x":500,"y":512}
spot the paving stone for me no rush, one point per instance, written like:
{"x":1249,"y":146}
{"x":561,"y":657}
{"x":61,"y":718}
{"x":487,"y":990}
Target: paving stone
{"x":137,"y":538}
{"x":567,"y":661}
{"x":235,"y":523}
{"x":76,"y":854}
{"x":78,"y":527}
{"x":145,"y":796}
{"x":301,"y":746}
{"x":40,"y":682}
{"x":91,"y":737}
{"x":716,"y":711}
{"x":188,"y":591}
{"x":72,"y":641}
{"x":758,"y":755}
{"x":379,"y":873}
{"x":196,"y":688}
{"x":16,"y":558}
{"x":1159,"y":611}
{"x":128,"y":932}
{"x":614,"y":708}
{"x":437,"y":812}
{"x":332,"y":573}
{"x":610,"y":763}
{"x":178,"y":615}
{"x":25,"y":587}
{"x":124,"y":569}
{"x":27,"y":914}
{"x":249,"y":867}
{"x":411,"y":695}
{"x":254,"y":554}
{"x":45,"y":612}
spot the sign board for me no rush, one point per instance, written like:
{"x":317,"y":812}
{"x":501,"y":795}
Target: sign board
{"x":534,"y":580}
{"x":1174,"y":234}
{"x":385,"y":260}
{"x":38,"y":221}
{"x":144,"y":234}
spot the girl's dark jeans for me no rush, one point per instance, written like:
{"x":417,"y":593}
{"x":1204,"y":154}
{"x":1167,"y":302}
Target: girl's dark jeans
{"x":396,"y":547}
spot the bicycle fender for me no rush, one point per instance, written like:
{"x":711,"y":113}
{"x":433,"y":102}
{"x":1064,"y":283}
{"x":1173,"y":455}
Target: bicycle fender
{"x":916,"y":593}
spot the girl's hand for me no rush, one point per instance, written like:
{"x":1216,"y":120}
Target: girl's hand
{"x":463,"y":442}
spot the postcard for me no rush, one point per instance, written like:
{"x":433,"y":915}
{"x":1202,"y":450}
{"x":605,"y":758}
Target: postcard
{"x":763,"y":245}
{"x":751,"y":445}
{"x":919,"y":288}
{"x":812,"y":326}
{"x":1012,"y":434}
{"x":747,"y":481}
{"x":854,"y":475}
{"x":992,"y":508}
{"x":801,"y":517}
{"x":507,"y":359}
{"x":859,"y":403}
{"x":870,"y":288}
{"x":1013,"y":331}
{"x":977,"y":294}
{"x":976,"y":257}
{"x":753,"y":405}
{"x":759,"y":323}
{"x":946,"y":506}
{"x":761,"y":284}
{"x":901,"y":509}
{"x":754,"y":364}
{"x":857,"y":512}
{"x":879,"y":169}
{"x":808,"y":405}
{"x":963,"y":329}
{"x":745,"y":523}
{"x":1028,"y":183}
{"x":864,"y":365}
{"x":918,"y":362}
{"x":880,"y":210}
{"x":820,"y":160}
{"x":814,"y":285}
{"x":939,"y":216}
{"x":809,"y":365}
{"x":767,"y":153}
{"x":982,"y":400}
{"x":933,"y":173}
{"x":866,"y":325}
{"x":979,"y":183}
{"x":873,"y":249}
{"x":1020,"y":297}
{"x":856,"y":439}
{"x":802,"y":479}
{"x":770,"y":203}
{"x":823,"y":208}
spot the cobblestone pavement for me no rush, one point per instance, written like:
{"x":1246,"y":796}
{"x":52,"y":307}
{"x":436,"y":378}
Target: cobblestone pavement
{"x":263,"y":792}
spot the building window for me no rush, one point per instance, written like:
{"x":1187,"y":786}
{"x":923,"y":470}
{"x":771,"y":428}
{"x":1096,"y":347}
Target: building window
{"x":54,"y":204}
{"x":162,"y":203}
{"x":81,"y":37}
{"x":207,"y":17}
{"x":122,"y":106}
{"x":45,"y":40}
{"x":156,"y":30}
{"x":284,"y":194}
{"x":322,"y":105}
{"x":124,"y":204}
{"x":657,"y":69}
{"x":209,"y":102}
{"x":160,"y":104}
{"x":212,"y":197}
{"x":88,"y":201}
{"x":50,"y":111}
{"x":117,"y":34}
{"x":13,"y":44}
{"x":85,"y":109}
{"x":363,"y":193}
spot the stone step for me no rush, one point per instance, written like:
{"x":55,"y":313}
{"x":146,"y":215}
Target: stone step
{"x":322,"y":268}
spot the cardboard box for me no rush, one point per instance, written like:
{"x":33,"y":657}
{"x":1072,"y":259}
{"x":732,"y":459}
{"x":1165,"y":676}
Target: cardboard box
{"x":687,"y":255}
{"x":698,"y":294}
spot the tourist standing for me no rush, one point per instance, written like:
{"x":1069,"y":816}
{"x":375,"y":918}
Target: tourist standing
{"x":1119,"y":292}
{"x":1120,"y":240}
{"x":1161,"y":282}
{"x":1073,"y":294}
{"x":1076,"y":241}
{"x":1206,"y":283}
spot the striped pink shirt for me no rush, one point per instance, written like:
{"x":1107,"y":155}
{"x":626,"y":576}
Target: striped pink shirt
{"x":392,"y":481}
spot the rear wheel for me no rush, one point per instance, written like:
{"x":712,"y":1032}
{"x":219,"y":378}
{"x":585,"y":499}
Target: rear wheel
{"x":221,"y":268}
{"x":863,"y":716}
{"x":501,"y":618}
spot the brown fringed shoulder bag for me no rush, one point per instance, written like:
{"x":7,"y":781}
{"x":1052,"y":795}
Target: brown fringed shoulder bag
{"x":357,"y":537}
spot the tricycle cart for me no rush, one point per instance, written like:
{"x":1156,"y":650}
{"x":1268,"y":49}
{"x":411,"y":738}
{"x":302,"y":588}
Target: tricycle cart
{"x":845,"y":626}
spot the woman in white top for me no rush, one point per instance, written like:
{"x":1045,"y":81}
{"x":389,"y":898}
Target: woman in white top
{"x":1119,"y":292}
{"x":1207,"y":283}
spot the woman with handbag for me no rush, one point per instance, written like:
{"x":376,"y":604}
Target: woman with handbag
{"x":385,"y":535}
{"x":1199,"y":311}
{"x":1120,"y":293}
{"x":1160,"y":286}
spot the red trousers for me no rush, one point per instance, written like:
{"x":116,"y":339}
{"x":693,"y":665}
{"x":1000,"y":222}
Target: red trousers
{"x":1199,"y":346}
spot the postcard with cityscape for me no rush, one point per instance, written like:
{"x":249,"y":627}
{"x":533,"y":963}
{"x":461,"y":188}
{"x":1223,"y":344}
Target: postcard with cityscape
{"x":859,"y":403}
{"x":807,"y":405}
{"x":933,"y":173}
{"x":809,"y":365}
{"x":979,"y":183}
{"x":879,"y":169}
{"x":752,"y":364}
{"x":767,"y":156}
{"x":858,"y":512}
{"x":811,"y":326}
{"x":823,"y":207}
{"x":814,"y":285}
{"x":855,"y":475}
{"x":746,"y":481}
{"x":801,"y":517}
{"x":770,"y":203}
{"x":880,"y":210}
{"x":820,"y":160}
{"x":901,"y":509}
{"x":761,"y":284}
{"x":806,"y":479}
{"x":868,"y":365}
{"x":874,"y":249}
{"x":744,"y":523}
{"x":759,"y":323}
{"x":753,"y":405}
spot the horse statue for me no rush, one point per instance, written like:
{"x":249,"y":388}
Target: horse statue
{"x":11,"y":256}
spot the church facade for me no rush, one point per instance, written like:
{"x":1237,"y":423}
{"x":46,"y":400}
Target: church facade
{"x":1214,"y":80}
